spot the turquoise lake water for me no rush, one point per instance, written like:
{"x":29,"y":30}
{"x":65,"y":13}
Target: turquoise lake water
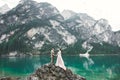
{"x":93,"y":68}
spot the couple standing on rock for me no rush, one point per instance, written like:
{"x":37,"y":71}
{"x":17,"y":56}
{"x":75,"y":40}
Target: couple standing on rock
{"x":59,"y":61}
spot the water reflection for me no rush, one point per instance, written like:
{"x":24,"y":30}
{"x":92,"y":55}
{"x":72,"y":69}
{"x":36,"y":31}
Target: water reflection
{"x":89,"y":61}
{"x":96,"y":67}
{"x":20,"y":66}
{"x":114,"y":72}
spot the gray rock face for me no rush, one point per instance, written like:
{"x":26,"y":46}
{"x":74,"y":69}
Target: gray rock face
{"x":52,"y":72}
{"x":28,"y":10}
{"x":116,"y":38}
{"x":38,"y":23}
{"x":79,"y":24}
{"x":84,"y":27}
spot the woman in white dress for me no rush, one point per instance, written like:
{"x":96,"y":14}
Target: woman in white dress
{"x":60,"y":61}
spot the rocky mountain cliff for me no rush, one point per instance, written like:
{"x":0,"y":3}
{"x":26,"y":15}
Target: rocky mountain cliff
{"x":94,"y":35}
{"x":37,"y":27}
{"x":117,"y":38}
{"x":85,"y":27}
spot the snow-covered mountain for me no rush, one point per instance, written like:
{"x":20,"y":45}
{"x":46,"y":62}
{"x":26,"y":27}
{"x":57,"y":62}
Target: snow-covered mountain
{"x":4,"y":9}
{"x":37,"y":27}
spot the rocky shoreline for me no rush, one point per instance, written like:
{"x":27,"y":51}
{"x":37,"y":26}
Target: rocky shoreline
{"x":50,"y":72}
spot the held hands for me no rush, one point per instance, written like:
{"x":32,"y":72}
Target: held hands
{"x":54,"y":55}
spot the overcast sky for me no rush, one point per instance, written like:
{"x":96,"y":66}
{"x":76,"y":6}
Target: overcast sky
{"x":108,"y":9}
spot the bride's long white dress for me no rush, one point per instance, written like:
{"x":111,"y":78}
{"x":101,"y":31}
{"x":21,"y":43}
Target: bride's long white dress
{"x":59,"y":61}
